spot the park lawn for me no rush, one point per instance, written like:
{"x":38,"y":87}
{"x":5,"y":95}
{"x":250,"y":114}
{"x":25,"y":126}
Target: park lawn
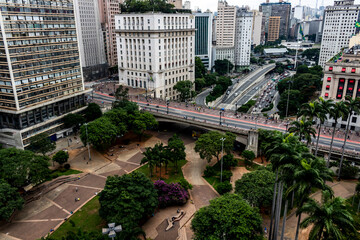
{"x":170,"y":177}
{"x":86,"y":218}
{"x":58,"y":173}
{"x":213,"y":181}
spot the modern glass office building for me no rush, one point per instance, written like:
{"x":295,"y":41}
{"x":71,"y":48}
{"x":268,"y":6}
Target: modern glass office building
{"x":40,"y":73}
{"x":203,"y":35}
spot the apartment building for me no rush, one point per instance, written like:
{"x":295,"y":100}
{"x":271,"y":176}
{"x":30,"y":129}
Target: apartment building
{"x":274,"y":29}
{"x":256,"y":28}
{"x":156,"y":50}
{"x":243,"y":32}
{"x":40,"y":77}
{"x":225,"y":24}
{"x":338,"y":27}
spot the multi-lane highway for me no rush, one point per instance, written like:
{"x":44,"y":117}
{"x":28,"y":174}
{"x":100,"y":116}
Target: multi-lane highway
{"x":228,"y":121}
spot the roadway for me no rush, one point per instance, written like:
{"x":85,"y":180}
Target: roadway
{"x":228,"y":121}
{"x":201,"y":97}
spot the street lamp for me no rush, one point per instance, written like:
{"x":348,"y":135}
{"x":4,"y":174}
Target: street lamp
{"x":222,"y":153}
{"x":112,"y":230}
{"x":235,"y":108}
{"x":287,"y":104}
{"x":167,"y":106}
{"x":220,"y":118}
{"x":87,"y":141}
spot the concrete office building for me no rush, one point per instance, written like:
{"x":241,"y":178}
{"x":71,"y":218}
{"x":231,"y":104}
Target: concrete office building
{"x":256,"y":28}
{"x":225,"y":24}
{"x":338,"y":28}
{"x":341,"y":79}
{"x":243,"y":32}
{"x":41,"y":77}
{"x":91,"y":40}
{"x":108,"y":9}
{"x":280,"y":9}
{"x":156,"y":50}
{"x":273,"y":29}
{"x":203,"y":38}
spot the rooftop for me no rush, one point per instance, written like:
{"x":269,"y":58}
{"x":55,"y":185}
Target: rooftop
{"x":275,"y":50}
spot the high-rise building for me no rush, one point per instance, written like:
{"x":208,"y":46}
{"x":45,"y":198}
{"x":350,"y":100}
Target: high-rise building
{"x":256,"y":28}
{"x":338,"y":28}
{"x":187,"y":5}
{"x":225,"y":24}
{"x":177,"y":3}
{"x":91,"y":39}
{"x":156,"y":50}
{"x":108,"y":9}
{"x":273,"y":28}
{"x":280,"y":9}
{"x":203,"y":38}
{"x":341,"y":80}
{"x":41,"y":77}
{"x":243,"y":32}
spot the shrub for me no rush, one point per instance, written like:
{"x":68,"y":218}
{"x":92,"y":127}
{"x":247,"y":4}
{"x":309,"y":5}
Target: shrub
{"x":170,"y":194}
{"x":209,"y":171}
{"x":185,"y":184}
{"x":229,"y":161}
{"x":67,"y":166}
{"x":224,"y":187}
{"x":226,"y":175}
{"x":348,"y":171}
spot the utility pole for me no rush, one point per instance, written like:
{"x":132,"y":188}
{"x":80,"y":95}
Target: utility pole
{"x":222,"y":156}
{"x":87,"y":141}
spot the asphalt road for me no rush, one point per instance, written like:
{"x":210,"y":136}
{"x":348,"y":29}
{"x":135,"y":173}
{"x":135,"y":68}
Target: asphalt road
{"x":246,"y":84}
{"x":231,"y":122}
{"x":201,"y":98}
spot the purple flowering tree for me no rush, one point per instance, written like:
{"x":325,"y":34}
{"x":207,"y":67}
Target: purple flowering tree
{"x":170,"y":194}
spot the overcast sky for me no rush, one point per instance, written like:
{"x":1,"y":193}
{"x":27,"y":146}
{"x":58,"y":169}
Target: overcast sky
{"x":254,"y":4}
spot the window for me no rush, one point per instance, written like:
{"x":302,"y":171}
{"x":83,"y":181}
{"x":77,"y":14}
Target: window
{"x":330,"y":68}
{"x":342,"y":80}
{"x":343,"y":69}
{"x":354,"y":119}
{"x":327,"y":87}
{"x":353,"y":70}
{"x":326,"y":95}
{"x":329,"y":79}
{"x":351,"y":81}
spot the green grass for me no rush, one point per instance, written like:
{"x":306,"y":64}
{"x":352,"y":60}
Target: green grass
{"x":58,"y":173}
{"x":213,"y":181}
{"x":170,"y":177}
{"x":87,"y":218}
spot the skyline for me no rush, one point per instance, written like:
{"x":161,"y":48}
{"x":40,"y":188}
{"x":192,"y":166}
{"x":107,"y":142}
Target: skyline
{"x":254,"y":5}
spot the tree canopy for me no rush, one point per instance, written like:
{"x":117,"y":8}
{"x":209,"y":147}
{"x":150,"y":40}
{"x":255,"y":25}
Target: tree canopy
{"x":73,"y":120}
{"x":10,"y":200}
{"x":61,"y":157}
{"x":223,"y":66}
{"x":41,"y":143}
{"x":209,"y":144}
{"x":127,"y":200}
{"x":200,"y":69}
{"x":92,"y":112}
{"x":227,"y":217}
{"x":184,"y":88}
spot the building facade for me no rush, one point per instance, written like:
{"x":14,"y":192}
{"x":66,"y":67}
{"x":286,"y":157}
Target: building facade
{"x":177,"y":3}
{"x":203,"y":38}
{"x":225,"y":25}
{"x":243,"y":32}
{"x":274,"y":29}
{"x":280,"y":9}
{"x":91,"y":39}
{"x":222,"y":53}
{"x":338,"y":28}
{"x":41,"y":76}
{"x":108,"y":9}
{"x":256,"y":28}
{"x":341,"y":79}
{"x":156,"y":50}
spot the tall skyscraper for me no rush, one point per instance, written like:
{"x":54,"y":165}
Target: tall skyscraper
{"x":225,"y":24}
{"x":280,"y":9}
{"x":41,"y":77}
{"x":108,"y":9}
{"x":156,"y":50}
{"x":338,"y":28}
{"x":91,"y":39}
{"x":273,"y":29}
{"x":256,"y":32}
{"x":243,"y":31}
{"x":203,"y":37}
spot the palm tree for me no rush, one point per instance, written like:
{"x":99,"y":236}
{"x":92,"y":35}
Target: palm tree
{"x":324,"y":107}
{"x":353,"y":105}
{"x":330,"y":218}
{"x":310,"y":173}
{"x":309,"y":110}
{"x":303,"y":128}
{"x":338,"y":110}
{"x":150,"y":159}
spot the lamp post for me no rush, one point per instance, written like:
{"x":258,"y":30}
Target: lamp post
{"x":220,"y":118}
{"x":190,"y":71}
{"x":112,"y":230}
{"x":167,"y":106}
{"x":222,"y":156}
{"x":87,"y":141}
{"x":235,"y":108}
{"x":287,"y":104}
{"x":228,"y":65}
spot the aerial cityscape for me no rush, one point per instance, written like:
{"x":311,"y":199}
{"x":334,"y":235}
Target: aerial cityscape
{"x":179,"y":119}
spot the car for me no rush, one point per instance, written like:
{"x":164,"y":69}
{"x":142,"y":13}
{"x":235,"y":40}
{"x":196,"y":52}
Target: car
{"x":236,"y":94}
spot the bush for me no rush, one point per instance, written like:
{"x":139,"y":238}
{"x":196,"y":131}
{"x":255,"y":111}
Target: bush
{"x":170,"y":194}
{"x":185,"y":184}
{"x":229,"y":161}
{"x":348,"y":171}
{"x":226,"y":175}
{"x":245,"y":107}
{"x":67,"y":166}
{"x":209,"y":171}
{"x":224,"y":187}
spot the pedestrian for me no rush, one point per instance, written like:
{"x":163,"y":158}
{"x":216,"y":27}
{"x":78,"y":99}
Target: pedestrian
{"x":76,"y":189}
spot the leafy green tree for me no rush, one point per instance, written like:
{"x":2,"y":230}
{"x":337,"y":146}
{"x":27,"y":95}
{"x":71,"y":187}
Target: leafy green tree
{"x":279,"y":68}
{"x":312,"y":54}
{"x":119,"y":118}
{"x":199,"y":84}
{"x":143,"y":121}
{"x":209,"y":144}
{"x":224,"y":187}
{"x":73,"y":120}
{"x":92,"y":112}
{"x":101,"y":133}
{"x":10,"y":200}
{"x":19,"y":167}
{"x":302,"y":69}
{"x":294,"y":102}
{"x":256,"y":187}
{"x":330,"y":218}
{"x":61,"y":157}
{"x":210,"y":79}
{"x":127,"y":200}
{"x":184,"y":88}
{"x":303,"y":128}
{"x":154,"y":157}
{"x":200,"y":69}
{"x":249,"y":156}
{"x":176,"y":150}
{"x":41,"y":143}
{"x":223,"y":66}
{"x":227,"y":217}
